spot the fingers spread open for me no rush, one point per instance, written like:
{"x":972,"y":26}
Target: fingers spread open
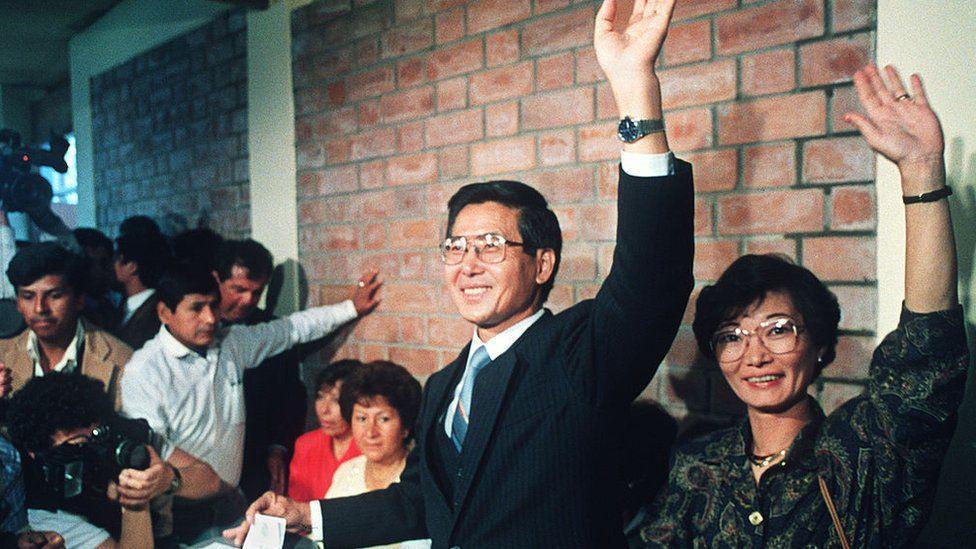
{"x":918,"y":91}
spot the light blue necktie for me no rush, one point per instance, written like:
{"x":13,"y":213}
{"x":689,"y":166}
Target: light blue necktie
{"x":459,"y":429}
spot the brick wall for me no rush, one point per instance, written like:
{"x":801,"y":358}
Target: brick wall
{"x":400,"y":103}
{"x":171,"y":131}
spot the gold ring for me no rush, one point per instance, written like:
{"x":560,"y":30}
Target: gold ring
{"x":362,"y":284}
{"x":903,"y":97}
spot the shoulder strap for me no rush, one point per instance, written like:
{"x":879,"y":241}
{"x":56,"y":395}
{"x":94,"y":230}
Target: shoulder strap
{"x":833,"y":512}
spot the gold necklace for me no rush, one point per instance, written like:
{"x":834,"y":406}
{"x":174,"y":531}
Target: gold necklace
{"x":764,"y":461}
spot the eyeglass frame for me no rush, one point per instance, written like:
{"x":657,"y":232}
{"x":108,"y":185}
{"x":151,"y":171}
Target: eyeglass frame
{"x":745,"y":334}
{"x":468,"y":243}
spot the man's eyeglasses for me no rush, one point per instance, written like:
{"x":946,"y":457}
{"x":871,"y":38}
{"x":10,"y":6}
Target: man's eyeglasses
{"x":488,"y":247}
{"x":779,"y":335}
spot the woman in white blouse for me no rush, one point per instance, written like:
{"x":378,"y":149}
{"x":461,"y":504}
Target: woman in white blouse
{"x":380,"y":400}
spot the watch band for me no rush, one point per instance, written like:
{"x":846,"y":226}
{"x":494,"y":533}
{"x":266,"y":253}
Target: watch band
{"x":930,"y":196}
{"x":650,"y":126}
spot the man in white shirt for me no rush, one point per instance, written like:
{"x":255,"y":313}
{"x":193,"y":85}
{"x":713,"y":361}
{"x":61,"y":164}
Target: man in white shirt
{"x":187,"y":382}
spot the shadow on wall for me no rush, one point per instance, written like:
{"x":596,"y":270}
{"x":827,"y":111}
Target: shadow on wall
{"x":953,"y":522}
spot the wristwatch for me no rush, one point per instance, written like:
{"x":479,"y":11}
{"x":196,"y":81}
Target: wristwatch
{"x":630,"y":130}
{"x":177,"y":481}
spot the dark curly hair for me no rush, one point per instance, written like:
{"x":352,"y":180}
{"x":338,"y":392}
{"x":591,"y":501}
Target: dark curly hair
{"x":52,"y":402}
{"x":385,"y":379}
{"x":36,"y":261}
{"x":748,"y":280}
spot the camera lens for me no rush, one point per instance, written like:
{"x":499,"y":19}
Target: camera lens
{"x":132,"y":455}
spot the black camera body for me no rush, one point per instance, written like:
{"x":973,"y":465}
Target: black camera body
{"x":23,"y":190}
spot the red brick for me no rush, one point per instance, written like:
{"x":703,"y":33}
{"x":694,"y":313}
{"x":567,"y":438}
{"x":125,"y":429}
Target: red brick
{"x":449,"y":26}
{"x":448,"y":331}
{"x":578,"y":263}
{"x":367,"y":51}
{"x":441,"y":5}
{"x":329,"y":181}
{"x":555,"y":71}
{"x":410,"y":72}
{"x":410,"y":202}
{"x":689,"y":130}
{"x":376,"y":205}
{"x":834,"y":395}
{"x":587,"y":68}
{"x":606,"y":105}
{"x":369,"y":353}
{"x":410,"y":136}
{"x":452,"y":94}
{"x":837,"y":159}
{"x":372,"y":175}
{"x":377,"y":327}
{"x":501,"y":119}
{"x":768,"y":119}
{"x":454,"y":60}
{"x":769,"y":72}
{"x":406,"y":38}
{"x":698,"y":84}
{"x":413,"y":329}
{"x":558,"y":147}
{"x":502,"y":83}
{"x":558,"y":32}
{"x":505,"y":155}
{"x":776,"y":245}
{"x":713,"y":256}
{"x":547,"y":6}
{"x":380,"y":142}
{"x":688,"y":42}
{"x":374,"y":236}
{"x":454,"y":163}
{"x":769,"y":165}
{"x":598,"y":221}
{"x":419,"y":362}
{"x":858,"y":307}
{"x":852,"y":208}
{"x":561,"y":298}
{"x":413,"y":234}
{"x":405,"y":10}
{"x":336,"y":93}
{"x":564,"y":108}
{"x":607,"y":174}
{"x":502,"y":47}
{"x":410,"y":169}
{"x":369,"y":113}
{"x":455,"y":127}
{"x":841,"y":258}
{"x":715,"y":170}
{"x":489,"y":14}
{"x":853,"y":14}
{"x":563,"y":185}
{"x":844,"y":101}
{"x":407,"y":104}
{"x":310,"y":155}
{"x":598,"y":142}
{"x":340,"y":122}
{"x":367,"y":84}
{"x":703,"y":217}
{"x":771,"y":212}
{"x":568,"y":222}
{"x":337,"y":151}
{"x":686,"y":9}
{"x":832,"y":61}
{"x":853,"y":358}
{"x":769,"y":25}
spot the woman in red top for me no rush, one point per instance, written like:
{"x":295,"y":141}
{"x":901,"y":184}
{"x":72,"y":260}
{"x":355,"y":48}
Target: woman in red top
{"x":319,"y":453}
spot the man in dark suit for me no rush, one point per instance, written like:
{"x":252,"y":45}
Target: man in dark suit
{"x":518,"y":439}
{"x":140,"y":259}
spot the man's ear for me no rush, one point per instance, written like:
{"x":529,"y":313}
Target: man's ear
{"x":165,"y":315}
{"x":545,"y":263}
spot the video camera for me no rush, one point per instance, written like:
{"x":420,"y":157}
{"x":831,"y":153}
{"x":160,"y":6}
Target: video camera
{"x":84,"y":469}
{"x":22,"y":189}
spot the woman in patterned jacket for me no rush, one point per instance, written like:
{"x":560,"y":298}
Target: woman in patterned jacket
{"x":864,"y":476}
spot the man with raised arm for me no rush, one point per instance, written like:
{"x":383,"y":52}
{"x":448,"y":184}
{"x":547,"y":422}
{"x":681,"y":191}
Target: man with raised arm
{"x":516,"y":438}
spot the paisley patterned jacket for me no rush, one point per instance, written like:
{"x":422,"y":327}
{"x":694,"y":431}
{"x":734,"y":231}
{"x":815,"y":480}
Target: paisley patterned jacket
{"x":879,"y":454}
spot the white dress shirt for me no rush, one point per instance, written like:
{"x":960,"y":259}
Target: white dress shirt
{"x":635,"y":164}
{"x":134,"y":301}
{"x":68,"y":362}
{"x":197,"y":402}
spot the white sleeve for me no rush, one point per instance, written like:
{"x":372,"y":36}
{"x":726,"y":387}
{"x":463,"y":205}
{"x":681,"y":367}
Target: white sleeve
{"x":142,"y":397}
{"x":315,"y":510}
{"x":250,"y":345}
{"x":73,"y":528}
{"x":8,"y":247}
{"x":646,"y":164}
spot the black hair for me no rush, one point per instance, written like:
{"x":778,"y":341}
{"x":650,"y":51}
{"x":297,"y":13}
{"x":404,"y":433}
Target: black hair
{"x":538,"y":225}
{"x":335,"y":372}
{"x":149,"y":251}
{"x":182,"y":279}
{"x":48,"y":258}
{"x":197,"y":246}
{"x":748,"y":280}
{"x":388,"y":380}
{"x":139,"y":225}
{"x":52,"y":402}
{"x":93,"y":238}
{"x":248,"y":254}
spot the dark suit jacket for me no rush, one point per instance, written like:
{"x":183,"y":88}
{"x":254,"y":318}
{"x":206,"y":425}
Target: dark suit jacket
{"x":143,"y":326}
{"x":540,"y":464}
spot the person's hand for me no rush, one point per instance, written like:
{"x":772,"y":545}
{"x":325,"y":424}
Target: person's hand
{"x":40,"y":540}
{"x":297,"y":515}
{"x":136,"y":487}
{"x":4,"y":222}
{"x":627,"y":54}
{"x":899,"y":125}
{"x":277,"y":469}
{"x":364,"y":297}
{"x":6,"y":381}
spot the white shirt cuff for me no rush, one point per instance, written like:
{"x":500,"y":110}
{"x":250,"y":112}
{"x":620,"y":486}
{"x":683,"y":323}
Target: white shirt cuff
{"x":315,"y":510}
{"x":647,"y":164}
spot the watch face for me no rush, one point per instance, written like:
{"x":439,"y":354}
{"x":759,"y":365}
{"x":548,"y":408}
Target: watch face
{"x":627,"y":130}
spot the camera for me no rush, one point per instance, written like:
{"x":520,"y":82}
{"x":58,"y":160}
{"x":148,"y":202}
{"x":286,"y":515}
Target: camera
{"x":83,"y":469}
{"x":23,"y":190}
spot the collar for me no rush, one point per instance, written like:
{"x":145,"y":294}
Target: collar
{"x":173,"y":346}
{"x":503,"y":341}
{"x":70,"y":359}
{"x":134,"y":301}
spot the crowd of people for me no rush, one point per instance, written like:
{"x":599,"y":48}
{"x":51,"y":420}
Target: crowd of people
{"x":148,"y":399}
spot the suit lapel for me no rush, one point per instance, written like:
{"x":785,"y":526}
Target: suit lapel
{"x":439,"y":394}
